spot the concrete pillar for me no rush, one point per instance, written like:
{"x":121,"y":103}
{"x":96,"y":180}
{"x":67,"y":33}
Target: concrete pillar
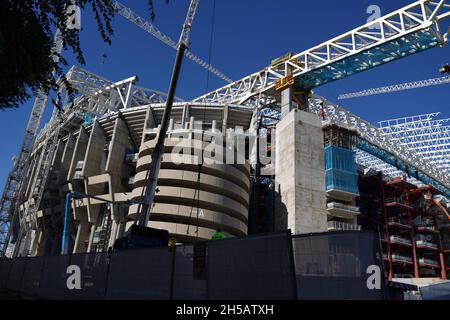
{"x":43,"y":238}
{"x":66,"y":159}
{"x":94,"y":151}
{"x":93,"y":166}
{"x":37,"y":240}
{"x":83,"y":233}
{"x":78,"y":153}
{"x":185,"y":115}
{"x":225,"y":119}
{"x":150,"y":122}
{"x":286,"y":101}
{"x":114,"y":165}
{"x":91,"y":237}
{"x":300,"y":174}
{"x":113,"y":234}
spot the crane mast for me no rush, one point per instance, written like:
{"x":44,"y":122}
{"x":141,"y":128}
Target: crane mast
{"x":409,"y":30}
{"x":143,"y":215}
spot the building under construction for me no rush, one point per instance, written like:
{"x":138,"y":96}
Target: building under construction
{"x":100,"y":147}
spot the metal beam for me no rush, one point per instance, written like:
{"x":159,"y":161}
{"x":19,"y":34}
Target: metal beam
{"x":409,"y":30}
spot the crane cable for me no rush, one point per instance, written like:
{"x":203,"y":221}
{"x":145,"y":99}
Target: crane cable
{"x":200,"y":163}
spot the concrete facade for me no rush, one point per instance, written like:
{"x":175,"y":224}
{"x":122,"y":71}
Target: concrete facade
{"x":300,"y":174}
{"x":109,"y":159}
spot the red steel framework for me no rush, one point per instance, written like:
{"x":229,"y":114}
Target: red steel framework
{"x":411,"y":237}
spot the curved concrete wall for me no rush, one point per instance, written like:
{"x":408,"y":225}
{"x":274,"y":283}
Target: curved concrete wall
{"x":221,"y":194}
{"x":99,"y":160}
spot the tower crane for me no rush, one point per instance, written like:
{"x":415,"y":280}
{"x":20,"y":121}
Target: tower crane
{"x":412,"y":29}
{"x":143,"y":215}
{"x":12,"y":191}
{"x":401,"y":87}
{"x":407,"y":31}
{"x":131,"y":16}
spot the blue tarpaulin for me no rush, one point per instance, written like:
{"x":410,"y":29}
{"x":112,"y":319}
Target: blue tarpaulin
{"x":341,"y":170}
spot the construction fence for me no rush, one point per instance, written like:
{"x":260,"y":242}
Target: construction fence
{"x":274,"y":266}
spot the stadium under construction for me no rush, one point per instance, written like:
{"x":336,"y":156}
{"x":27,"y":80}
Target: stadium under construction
{"x":330,"y":170}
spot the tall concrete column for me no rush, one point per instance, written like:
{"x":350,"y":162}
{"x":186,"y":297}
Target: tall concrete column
{"x":300,"y":174}
{"x":92,"y":166}
{"x":286,"y":101}
{"x":36,"y":242}
{"x":83,"y":233}
{"x":66,"y":159}
{"x":115,"y":164}
{"x":91,"y":238}
{"x":78,"y":152}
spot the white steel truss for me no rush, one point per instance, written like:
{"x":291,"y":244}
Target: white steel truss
{"x":108,"y":96}
{"x":131,"y":16}
{"x":397,"y":87}
{"x":429,"y":137}
{"x":99,"y":96}
{"x":11,"y":192}
{"x":409,"y":30}
{"x":390,"y":172}
{"x":377,"y":137}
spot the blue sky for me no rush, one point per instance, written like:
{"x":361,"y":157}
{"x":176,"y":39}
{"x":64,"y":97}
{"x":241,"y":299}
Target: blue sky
{"x":248,"y":34}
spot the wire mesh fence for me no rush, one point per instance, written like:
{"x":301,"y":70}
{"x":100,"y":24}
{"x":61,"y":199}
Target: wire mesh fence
{"x":272,"y":266}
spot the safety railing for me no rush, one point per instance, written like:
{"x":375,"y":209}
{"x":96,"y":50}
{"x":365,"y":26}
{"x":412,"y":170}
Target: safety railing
{"x":343,"y":226}
{"x":399,"y":258}
{"x":337,"y":205}
{"x":398,"y":222}
{"x":428,"y":262}
{"x":400,"y":240}
{"x":426,"y":244}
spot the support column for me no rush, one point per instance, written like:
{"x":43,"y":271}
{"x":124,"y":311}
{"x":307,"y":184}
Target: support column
{"x":387,"y":234}
{"x":92,"y":166}
{"x":286,"y":101}
{"x":83,"y":233}
{"x":37,"y":240}
{"x":441,"y":249}
{"x":114,"y":164}
{"x":225,"y":119}
{"x":91,"y":237}
{"x":413,"y":239}
{"x":300,"y":174}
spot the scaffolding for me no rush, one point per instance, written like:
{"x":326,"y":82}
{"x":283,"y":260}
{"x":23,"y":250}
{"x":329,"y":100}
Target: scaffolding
{"x":413,"y":229}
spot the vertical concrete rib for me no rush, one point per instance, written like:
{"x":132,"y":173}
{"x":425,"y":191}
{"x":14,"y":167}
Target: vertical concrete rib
{"x":300,"y":174}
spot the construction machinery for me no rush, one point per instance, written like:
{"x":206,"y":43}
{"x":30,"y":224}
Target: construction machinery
{"x":397,"y":87}
{"x":13,"y":192}
{"x":144,"y":213}
{"x":147,"y":26}
{"x":401,"y":87}
{"x":409,"y":30}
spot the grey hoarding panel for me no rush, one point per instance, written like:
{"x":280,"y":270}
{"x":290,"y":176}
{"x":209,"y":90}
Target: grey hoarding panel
{"x":140,"y":274}
{"x":439,"y":291}
{"x":32,"y":276}
{"x":16,"y":274}
{"x":256,"y":267}
{"x":5,"y":267}
{"x":94,"y":271}
{"x":54,"y":277}
{"x":185,"y":286}
{"x":334,"y":265}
